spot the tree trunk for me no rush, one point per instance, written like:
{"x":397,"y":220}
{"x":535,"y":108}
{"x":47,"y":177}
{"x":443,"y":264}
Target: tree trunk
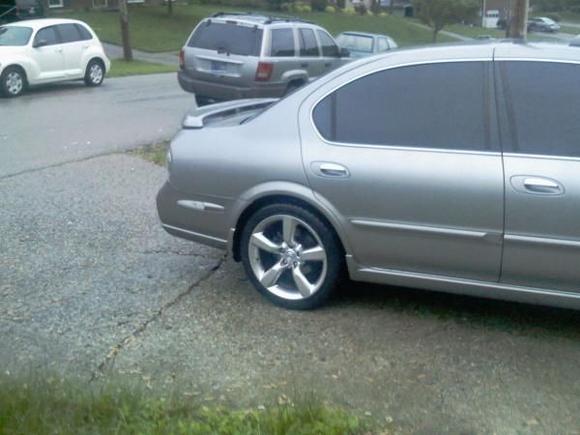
{"x":124,"y":18}
{"x":435,"y":33}
{"x":518,"y":25}
{"x":169,"y":7}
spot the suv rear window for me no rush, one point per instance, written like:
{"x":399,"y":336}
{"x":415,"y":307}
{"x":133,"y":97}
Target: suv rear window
{"x":227,"y":37}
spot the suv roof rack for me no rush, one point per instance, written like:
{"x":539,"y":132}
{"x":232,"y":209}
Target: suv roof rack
{"x":267,"y":19}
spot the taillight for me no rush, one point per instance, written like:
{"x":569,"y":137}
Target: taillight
{"x":264,"y":71}
{"x":181,"y":59}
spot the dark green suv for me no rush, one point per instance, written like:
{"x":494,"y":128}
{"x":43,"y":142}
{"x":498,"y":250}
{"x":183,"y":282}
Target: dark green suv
{"x":16,"y":10}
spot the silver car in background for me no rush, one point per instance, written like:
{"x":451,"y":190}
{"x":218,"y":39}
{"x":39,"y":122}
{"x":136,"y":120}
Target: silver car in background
{"x":454,"y":169}
{"x":361,"y":44}
{"x":230,"y":56}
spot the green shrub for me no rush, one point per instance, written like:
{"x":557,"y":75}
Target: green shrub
{"x":361,"y":9}
{"x":349,"y":11}
{"x":318,"y":5}
{"x":330,"y":9}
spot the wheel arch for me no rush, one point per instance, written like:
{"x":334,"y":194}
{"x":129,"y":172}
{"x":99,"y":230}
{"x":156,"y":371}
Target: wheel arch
{"x":307,"y":200}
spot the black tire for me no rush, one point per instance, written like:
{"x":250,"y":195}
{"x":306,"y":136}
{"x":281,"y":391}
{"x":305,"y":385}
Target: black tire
{"x":326,"y":238}
{"x":95,"y":73}
{"x":293,"y":86}
{"x":13,"y":82}
{"x":202,"y":100}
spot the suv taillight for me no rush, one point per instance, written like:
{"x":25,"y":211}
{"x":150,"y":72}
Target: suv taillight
{"x":264,"y":71}
{"x":181,"y":59}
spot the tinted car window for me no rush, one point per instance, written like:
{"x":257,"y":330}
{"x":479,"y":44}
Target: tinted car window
{"x":308,"y":44}
{"x":47,"y":34}
{"x":229,"y":37}
{"x":14,"y":36}
{"x":429,"y":106}
{"x":329,"y":48}
{"x":68,"y":33}
{"x":282,"y":42}
{"x":85,"y":35}
{"x":360,"y":43}
{"x":544,"y":99}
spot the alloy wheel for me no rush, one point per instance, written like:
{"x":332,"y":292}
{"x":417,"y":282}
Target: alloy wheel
{"x":96,"y":73}
{"x":14,"y":83}
{"x":287,"y":257}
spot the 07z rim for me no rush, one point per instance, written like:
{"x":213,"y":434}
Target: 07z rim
{"x":14,"y":83}
{"x":96,"y":73}
{"x":287,"y":257}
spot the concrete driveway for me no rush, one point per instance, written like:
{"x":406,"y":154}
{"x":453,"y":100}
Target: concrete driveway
{"x":92,"y":288}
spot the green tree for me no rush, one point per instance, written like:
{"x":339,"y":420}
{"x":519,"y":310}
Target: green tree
{"x":440,"y":13}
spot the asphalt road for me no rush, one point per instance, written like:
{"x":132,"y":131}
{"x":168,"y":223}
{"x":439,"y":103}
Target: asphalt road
{"x":91,"y":288}
{"x":66,"y":122}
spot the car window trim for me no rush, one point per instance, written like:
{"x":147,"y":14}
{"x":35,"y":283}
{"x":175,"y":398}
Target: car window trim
{"x":402,"y":147}
{"x":508,"y":121}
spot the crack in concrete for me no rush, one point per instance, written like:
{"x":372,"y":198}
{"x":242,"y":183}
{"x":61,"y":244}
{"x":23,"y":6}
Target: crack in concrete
{"x":71,"y":162}
{"x":116,"y":349}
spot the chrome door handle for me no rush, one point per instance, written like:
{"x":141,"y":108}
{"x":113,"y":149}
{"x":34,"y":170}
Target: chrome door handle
{"x":541,"y":185}
{"x":333,"y":170}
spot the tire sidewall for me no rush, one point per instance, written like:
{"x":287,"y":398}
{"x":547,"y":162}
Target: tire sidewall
{"x":335,"y":258}
{"x":4,"y":77}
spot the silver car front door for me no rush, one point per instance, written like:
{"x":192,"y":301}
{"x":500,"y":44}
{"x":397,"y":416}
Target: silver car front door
{"x":408,"y":158}
{"x":542,"y":174}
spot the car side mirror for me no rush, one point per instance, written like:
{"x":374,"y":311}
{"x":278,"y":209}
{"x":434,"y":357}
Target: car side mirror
{"x":40,"y":43}
{"x":344,"y":52}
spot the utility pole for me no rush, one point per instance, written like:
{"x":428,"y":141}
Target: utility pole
{"x":124,"y":18}
{"x":483,"y":10}
{"x":518,"y":25}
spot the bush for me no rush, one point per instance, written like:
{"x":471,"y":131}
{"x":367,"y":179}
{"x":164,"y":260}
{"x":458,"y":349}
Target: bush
{"x":361,"y":9}
{"x":349,"y":11}
{"x":383,"y":14}
{"x":318,"y":5}
{"x":330,"y":9}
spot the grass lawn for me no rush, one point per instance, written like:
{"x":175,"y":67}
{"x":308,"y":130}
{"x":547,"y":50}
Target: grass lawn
{"x":53,"y":406}
{"x":570,"y":30}
{"x":472,"y":31}
{"x":153,"y":30}
{"x":121,"y":68}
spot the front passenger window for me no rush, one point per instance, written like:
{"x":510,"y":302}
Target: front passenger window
{"x":48,"y":34}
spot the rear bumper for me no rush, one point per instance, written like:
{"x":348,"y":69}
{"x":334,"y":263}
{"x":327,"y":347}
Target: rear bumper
{"x":194,"y":219}
{"x":223,"y":91}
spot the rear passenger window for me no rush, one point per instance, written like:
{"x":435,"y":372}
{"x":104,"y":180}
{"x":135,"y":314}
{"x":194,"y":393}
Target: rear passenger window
{"x":383,"y":45}
{"x":282,"y":43}
{"x":84,"y":33}
{"x":544,"y":99}
{"x":68,"y":33}
{"x":428,"y":106}
{"x":47,"y":34}
{"x":308,"y":44}
{"x":329,"y":48}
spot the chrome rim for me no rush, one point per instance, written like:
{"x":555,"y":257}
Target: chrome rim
{"x":287,"y":257}
{"x":14,"y":83}
{"x":96,"y":73}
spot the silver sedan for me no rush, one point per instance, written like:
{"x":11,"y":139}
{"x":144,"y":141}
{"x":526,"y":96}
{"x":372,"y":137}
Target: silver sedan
{"x":448,"y":168}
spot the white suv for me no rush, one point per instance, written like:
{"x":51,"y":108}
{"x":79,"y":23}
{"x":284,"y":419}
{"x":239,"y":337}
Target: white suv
{"x":49,"y":50}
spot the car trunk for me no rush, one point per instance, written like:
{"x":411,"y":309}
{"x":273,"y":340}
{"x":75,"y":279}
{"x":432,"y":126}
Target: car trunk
{"x":222,"y":51}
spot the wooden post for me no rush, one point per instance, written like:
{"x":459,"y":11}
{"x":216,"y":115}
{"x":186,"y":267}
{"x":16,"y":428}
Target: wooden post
{"x":518,"y":25}
{"x":124,"y":18}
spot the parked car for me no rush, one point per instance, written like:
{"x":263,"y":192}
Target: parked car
{"x":361,"y":44}
{"x":230,"y":56}
{"x":575,"y":42}
{"x":50,"y":50}
{"x":17,"y":10}
{"x":393,"y":168}
{"x":542,"y":24}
